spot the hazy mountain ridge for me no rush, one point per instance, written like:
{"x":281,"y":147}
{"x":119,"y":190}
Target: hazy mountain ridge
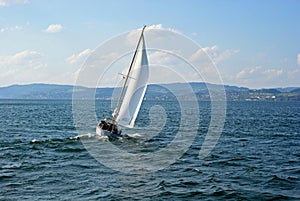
{"x":154,"y":92}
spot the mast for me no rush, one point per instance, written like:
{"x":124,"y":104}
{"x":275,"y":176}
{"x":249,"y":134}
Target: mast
{"x":116,"y":111}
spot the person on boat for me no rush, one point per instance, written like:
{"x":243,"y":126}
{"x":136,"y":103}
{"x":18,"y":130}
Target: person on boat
{"x":110,"y":127}
{"x":115,"y":129}
{"x":103,"y":125}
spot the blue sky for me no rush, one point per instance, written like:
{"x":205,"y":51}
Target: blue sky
{"x":47,"y":41}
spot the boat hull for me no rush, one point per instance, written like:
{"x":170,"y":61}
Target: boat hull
{"x":102,"y":132}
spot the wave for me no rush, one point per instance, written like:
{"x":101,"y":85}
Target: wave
{"x":83,"y":136}
{"x":48,"y":140}
{"x":134,"y":135}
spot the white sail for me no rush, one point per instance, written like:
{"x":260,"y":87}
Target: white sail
{"x":136,"y":88}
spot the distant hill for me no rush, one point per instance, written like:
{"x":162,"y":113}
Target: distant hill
{"x":297,"y":90}
{"x":36,"y":91}
{"x":287,"y":89}
{"x":154,"y":92}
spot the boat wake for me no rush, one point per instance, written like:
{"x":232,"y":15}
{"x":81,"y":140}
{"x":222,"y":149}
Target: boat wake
{"x":133,"y":135}
{"x":84,"y":136}
{"x":94,"y":137}
{"x":90,"y":136}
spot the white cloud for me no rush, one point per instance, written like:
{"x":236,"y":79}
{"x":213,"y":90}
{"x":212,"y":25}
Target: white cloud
{"x":161,"y":27}
{"x":155,"y":26}
{"x":225,"y":55}
{"x":22,"y":59}
{"x":214,"y":53}
{"x":248,"y":71}
{"x":258,"y":77}
{"x":298,"y":59}
{"x":167,"y":58}
{"x":54,"y":28}
{"x":75,"y":58}
{"x":13,"y":28}
{"x":242,"y":74}
{"x":202,"y":53}
{"x":272,"y":73}
{"x":10,"y":2}
{"x":258,"y":72}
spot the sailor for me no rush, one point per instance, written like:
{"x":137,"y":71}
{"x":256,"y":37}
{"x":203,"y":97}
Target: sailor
{"x":110,"y":127}
{"x":115,"y":129}
{"x":103,"y":125}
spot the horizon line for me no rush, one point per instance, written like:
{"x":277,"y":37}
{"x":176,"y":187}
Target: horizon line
{"x":40,"y":83}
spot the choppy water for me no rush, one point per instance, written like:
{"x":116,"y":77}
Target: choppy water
{"x":256,"y":158}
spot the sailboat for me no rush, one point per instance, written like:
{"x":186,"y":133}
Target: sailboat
{"x":131,"y":95}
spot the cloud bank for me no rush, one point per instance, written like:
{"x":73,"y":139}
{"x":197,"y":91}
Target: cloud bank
{"x":264,"y":76}
{"x":23,"y":67}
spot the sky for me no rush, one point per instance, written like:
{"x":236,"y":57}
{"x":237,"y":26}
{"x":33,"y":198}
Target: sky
{"x":253,"y":44}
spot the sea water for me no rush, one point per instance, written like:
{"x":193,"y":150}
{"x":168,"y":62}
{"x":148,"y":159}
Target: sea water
{"x":43,"y":156}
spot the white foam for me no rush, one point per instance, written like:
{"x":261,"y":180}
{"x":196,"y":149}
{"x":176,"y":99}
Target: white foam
{"x":103,"y":138}
{"x":34,"y":141}
{"x":84,"y":136}
{"x":135,"y":135}
{"x":11,"y":166}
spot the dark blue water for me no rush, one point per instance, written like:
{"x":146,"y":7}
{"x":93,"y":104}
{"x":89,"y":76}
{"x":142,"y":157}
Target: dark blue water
{"x":256,"y":158}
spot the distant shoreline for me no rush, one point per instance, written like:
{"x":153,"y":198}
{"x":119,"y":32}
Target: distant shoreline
{"x":154,"y":92}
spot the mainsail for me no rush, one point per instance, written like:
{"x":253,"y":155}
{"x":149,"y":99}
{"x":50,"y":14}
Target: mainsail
{"x":137,"y":78}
